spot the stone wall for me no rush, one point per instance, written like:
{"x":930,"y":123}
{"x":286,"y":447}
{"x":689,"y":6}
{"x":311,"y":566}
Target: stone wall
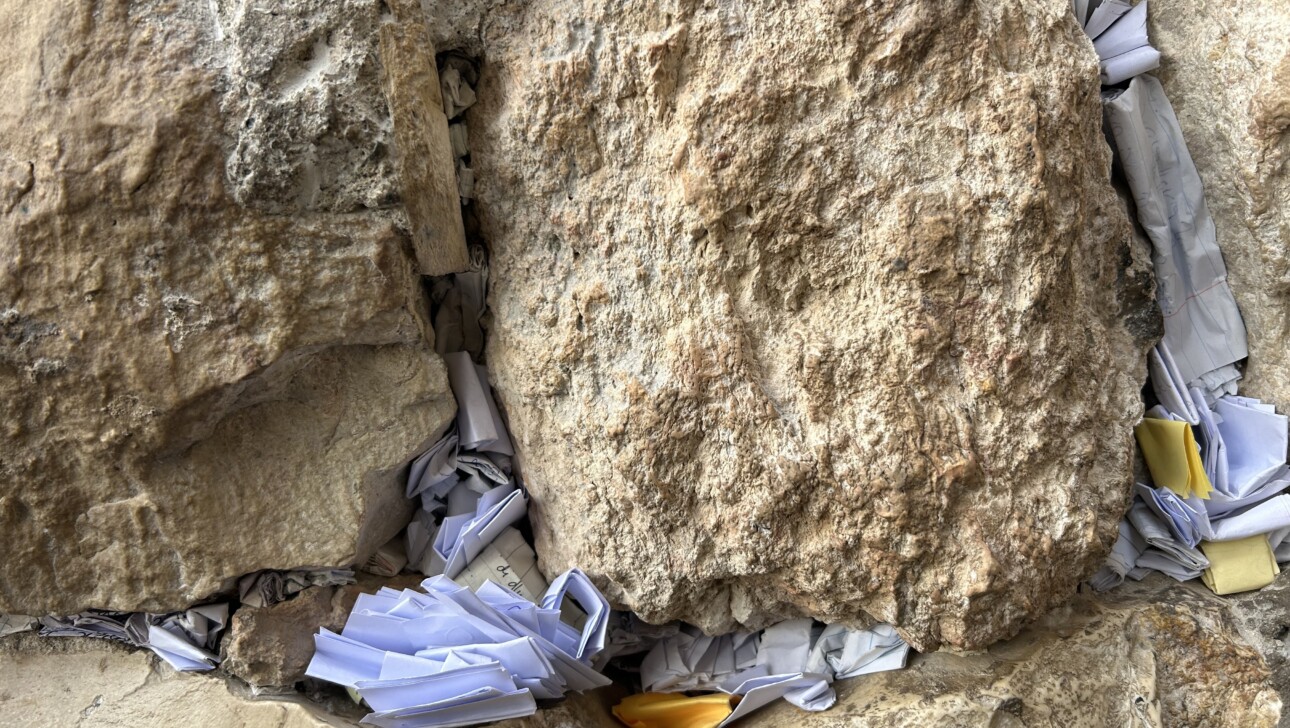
{"x":822,"y":308}
{"x":816,"y":309}
{"x":214,"y":354}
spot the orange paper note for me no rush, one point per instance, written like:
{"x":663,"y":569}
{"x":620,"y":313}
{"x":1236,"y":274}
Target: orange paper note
{"x":674,"y":710}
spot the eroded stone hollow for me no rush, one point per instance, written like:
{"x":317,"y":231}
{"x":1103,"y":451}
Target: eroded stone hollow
{"x":825,"y":310}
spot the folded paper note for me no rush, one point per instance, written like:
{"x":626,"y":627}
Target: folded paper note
{"x":463,"y":537}
{"x":1219,"y":505}
{"x":479,"y":423}
{"x":509,"y":561}
{"x":388,"y":560}
{"x":1255,"y":437}
{"x":460,"y":300}
{"x":1169,"y":386}
{"x":1188,"y":525}
{"x":455,"y":90}
{"x":1154,"y":559}
{"x":1164,"y":545}
{"x":262,"y":588}
{"x":435,"y":467}
{"x":448,"y":656}
{"x":1172,"y":456}
{"x":186,"y":640}
{"x":1237,"y":566}
{"x":846,"y":652}
{"x":629,"y":635}
{"x":472,"y":489}
{"x":1213,"y":451}
{"x":1119,"y":33}
{"x":1124,"y":557}
{"x":794,"y":660}
{"x":1270,"y":515}
{"x":15,"y":623}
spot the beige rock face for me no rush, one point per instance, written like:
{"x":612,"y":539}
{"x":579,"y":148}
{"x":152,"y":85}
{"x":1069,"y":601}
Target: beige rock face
{"x":1226,"y":68}
{"x":1264,"y":619}
{"x":213,"y":349}
{"x":817,"y":309}
{"x":272,"y":646}
{"x":97,"y":684}
{"x":1158,"y":655}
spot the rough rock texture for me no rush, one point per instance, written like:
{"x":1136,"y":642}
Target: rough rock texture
{"x":271,"y":646}
{"x":1226,"y":69}
{"x":1157,"y":654}
{"x":421,"y":138}
{"x":97,"y":684}
{"x":213,"y":359}
{"x":1264,"y":619}
{"x":810,"y":309}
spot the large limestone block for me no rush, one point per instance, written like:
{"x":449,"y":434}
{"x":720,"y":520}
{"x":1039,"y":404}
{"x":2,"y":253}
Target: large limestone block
{"x":813,"y":309}
{"x":1226,"y":69}
{"x":89,"y":683}
{"x":205,"y":371}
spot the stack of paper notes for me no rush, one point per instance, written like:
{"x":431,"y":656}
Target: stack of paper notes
{"x":1217,"y":507}
{"x":1118,"y":30}
{"x":1214,"y":507}
{"x":449,"y":656}
{"x":465,"y":491}
{"x":796,"y":660}
{"x":1204,"y":330}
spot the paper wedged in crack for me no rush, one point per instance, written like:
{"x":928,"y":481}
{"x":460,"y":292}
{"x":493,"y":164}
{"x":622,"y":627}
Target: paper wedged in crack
{"x":1226,"y":71}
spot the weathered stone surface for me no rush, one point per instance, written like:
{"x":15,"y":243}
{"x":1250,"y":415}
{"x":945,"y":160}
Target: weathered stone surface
{"x":1226,"y":69}
{"x":425,"y":157}
{"x":98,"y":684}
{"x":271,"y":646}
{"x":200,"y":379}
{"x":1158,"y":655}
{"x":1264,"y":619}
{"x":810,"y":309}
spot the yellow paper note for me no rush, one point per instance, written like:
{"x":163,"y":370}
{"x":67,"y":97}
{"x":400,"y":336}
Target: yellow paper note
{"x":674,"y":710}
{"x":1240,"y":565}
{"x":1172,"y":456}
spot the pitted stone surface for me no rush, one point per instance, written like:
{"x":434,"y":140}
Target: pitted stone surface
{"x":1156,"y":654}
{"x":815,"y":309}
{"x":194,"y":387}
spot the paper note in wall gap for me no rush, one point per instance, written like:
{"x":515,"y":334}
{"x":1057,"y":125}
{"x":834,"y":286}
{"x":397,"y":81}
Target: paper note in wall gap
{"x":1118,"y":30}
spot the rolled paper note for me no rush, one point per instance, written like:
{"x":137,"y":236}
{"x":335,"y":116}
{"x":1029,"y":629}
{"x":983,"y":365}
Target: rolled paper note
{"x":1172,"y":456}
{"x":672,"y":710}
{"x":1242,"y":565}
